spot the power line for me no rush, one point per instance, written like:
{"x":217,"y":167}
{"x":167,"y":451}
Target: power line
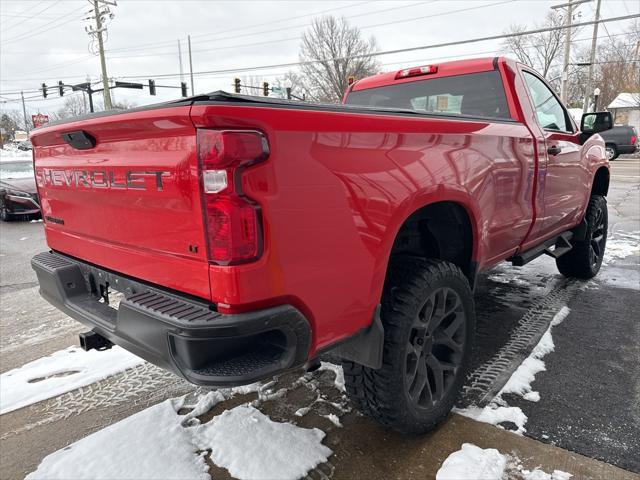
{"x":24,"y":11}
{"x":164,"y":44}
{"x":35,"y":15}
{"x":298,"y":38}
{"x":40,"y":30}
{"x":388,"y":52}
{"x":399,"y":50}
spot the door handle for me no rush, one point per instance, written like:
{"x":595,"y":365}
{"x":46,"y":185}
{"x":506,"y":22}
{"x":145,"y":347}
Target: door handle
{"x":554,"y":150}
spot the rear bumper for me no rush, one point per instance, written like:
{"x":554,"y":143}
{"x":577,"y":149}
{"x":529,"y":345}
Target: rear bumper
{"x":628,"y":149}
{"x":177,"y":332}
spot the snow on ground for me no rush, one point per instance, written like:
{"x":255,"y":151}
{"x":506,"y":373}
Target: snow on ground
{"x":159,"y":443}
{"x":339,"y":373}
{"x":251,"y":446}
{"x":538,"y":474}
{"x":149,"y":444}
{"x":498,"y":411}
{"x":475,"y":463}
{"x":621,"y":245}
{"x":10,"y":152}
{"x":60,"y":372}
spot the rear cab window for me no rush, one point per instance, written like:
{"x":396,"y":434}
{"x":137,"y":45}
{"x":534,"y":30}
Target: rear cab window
{"x":473,"y":94}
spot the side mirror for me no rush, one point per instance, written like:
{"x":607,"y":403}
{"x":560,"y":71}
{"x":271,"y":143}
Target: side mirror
{"x":596,"y":122}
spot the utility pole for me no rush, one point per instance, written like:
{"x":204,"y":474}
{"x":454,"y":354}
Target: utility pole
{"x":568,"y":21}
{"x":24,"y":113}
{"x":594,"y":40}
{"x":97,"y":31}
{"x":193,"y":92}
{"x":567,"y":53}
{"x":180,"y":61}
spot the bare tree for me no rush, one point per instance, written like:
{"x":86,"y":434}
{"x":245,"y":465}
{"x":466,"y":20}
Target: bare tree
{"x":124,"y":104}
{"x":290,"y":79}
{"x":617,"y":69}
{"x":251,"y":85}
{"x":73,"y":106}
{"x":331,"y":51}
{"x":539,"y":50}
{"x":8,"y":125}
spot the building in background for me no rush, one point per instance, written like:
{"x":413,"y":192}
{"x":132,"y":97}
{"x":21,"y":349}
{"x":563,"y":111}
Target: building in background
{"x":626,"y":109}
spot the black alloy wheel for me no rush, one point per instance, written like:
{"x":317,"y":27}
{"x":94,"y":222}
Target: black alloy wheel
{"x":436,"y":343}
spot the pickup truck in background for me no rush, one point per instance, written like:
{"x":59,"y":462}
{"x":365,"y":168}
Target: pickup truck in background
{"x":620,"y":140}
{"x":248,"y":236}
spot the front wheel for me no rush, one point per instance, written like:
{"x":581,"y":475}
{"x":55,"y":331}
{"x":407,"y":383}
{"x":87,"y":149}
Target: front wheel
{"x":585,"y":258}
{"x":5,"y":216}
{"x":429,"y":326}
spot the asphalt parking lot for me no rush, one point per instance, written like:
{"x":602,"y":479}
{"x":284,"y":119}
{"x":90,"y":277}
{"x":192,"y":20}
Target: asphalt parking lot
{"x":589,"y":393}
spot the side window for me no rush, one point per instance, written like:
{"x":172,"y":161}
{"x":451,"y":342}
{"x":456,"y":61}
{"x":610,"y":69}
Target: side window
{"x":551,"y":115}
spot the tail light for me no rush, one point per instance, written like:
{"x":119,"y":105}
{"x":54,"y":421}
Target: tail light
{"x":633,"y":139}
{"x":233,"y":221}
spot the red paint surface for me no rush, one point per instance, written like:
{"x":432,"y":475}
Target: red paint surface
{"x":334,"y":191}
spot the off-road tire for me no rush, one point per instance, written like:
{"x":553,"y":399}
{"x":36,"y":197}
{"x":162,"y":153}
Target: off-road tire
{"x":585,"y":258}
{"x":411,"y":287}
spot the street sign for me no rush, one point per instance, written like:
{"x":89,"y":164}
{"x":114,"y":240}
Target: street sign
{"x":277,"y":89}
{"x":39,"y":119}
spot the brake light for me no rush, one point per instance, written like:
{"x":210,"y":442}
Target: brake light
{"x":232,"y":220}
{"x":417,"y":71}
{"x":633,"y":139}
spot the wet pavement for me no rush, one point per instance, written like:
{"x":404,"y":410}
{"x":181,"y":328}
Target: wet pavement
{"x":590,"y":391}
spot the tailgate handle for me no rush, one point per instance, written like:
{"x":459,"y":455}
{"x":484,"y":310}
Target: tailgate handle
{"x":79,"y":139}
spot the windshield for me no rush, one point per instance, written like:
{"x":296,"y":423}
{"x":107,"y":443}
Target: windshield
{"x":16,"y":170}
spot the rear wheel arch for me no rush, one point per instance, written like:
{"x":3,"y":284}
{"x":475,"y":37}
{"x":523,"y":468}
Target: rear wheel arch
{"x":600,"y":184}
{"x":442,"y":230}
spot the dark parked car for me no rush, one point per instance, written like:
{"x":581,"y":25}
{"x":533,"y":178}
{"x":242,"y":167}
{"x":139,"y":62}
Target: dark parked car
{"x":18,"y":193}
{"x":620,"y":140}
{"x":25,"y":145}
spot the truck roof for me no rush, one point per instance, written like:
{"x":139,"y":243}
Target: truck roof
{"x":445,"y":69}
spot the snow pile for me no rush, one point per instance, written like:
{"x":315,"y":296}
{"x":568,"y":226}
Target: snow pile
{"x":60,"y":372}
{"x":149,"y":444}
{"x":498,"y":411}
{"x":538,"y":474}
{"x":473,"y":463}
{"x":337,"y":369}
{"x":621,"y":245}
{"x":251,"y":446}
{"x":158,"y":443}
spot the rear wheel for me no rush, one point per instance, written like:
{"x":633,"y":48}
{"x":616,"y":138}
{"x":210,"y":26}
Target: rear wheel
{"x":429,"y":323}
{"x":611,"y":151}
{"x":585,"y":258}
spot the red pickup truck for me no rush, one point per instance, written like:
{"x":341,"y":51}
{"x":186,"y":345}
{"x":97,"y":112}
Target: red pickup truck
{"x":247,"y":236}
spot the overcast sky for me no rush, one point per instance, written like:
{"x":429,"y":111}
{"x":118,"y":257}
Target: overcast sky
{"x":45,"y":40}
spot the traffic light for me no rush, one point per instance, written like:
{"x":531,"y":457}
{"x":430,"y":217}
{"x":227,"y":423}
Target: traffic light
{"x":265,"y":89}
{"x":152,"y":87}
{"x":236,"y":85}
{"x":183,"y":87}
{"x":44,"y":90}
{"x":350,"y":80}
{"x":60,"y":88}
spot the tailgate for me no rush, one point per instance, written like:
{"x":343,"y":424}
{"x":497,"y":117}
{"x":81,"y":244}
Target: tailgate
{"x":132,"y":202}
